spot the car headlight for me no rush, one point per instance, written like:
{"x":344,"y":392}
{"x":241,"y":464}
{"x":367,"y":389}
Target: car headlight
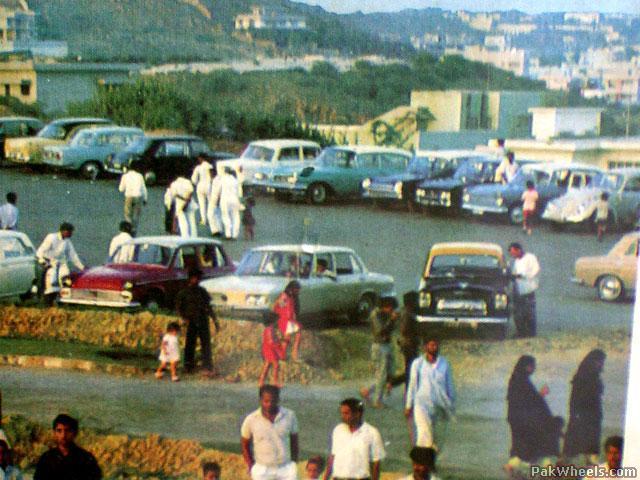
{"x":499,"y":201}
{"x":466,"y":197}
{"x":398,"y":188}
{"x":256,"y":300}
{"x":445,"y":195}
{"x":501,"y":301}
{"x":425,"y":299}
{"x":366,"y":183}
{"x":293,"y":178}
{"x":127,"y":286}
{"x":420,"y":192}
{"x":259,"y":176}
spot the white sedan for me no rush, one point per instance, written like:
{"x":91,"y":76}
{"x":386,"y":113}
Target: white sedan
{"x":17,"y":264}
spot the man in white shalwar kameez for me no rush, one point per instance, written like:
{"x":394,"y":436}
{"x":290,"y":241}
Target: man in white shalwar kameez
{"x":180,"y":194}
{"x":201,"y":178}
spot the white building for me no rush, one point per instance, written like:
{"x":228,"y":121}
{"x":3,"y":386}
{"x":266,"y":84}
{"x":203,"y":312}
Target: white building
{"x":269,"y":18}
{"x":587,"y":18}
{"x":513,"y":59}
{"x":548,"y":123}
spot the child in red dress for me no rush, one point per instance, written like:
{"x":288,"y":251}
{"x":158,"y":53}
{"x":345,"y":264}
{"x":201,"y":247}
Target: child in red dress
{"x":287,"y":307}
{"x":273,"y":350}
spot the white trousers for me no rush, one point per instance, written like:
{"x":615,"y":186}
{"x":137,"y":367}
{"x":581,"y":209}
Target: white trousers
{"x":230,"y":212}
{"x":53,"y":277}
{"x":287,"y":472}
{"x":430,"y":427}
{"x":213,"y":217}
{"x":186,"y":216}
{"x":203,"y":199}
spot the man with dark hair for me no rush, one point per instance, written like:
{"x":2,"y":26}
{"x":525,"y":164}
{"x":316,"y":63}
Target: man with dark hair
{"x":408,"y":340}
{"x":613,"y":453}
{"x":66,"y":461}
{"x":125,"y":253}
{"x":269,"y":439}
{"x":56,"y":253}
{"x":356,"y":446}
{"x":424,"y":464}
{"x":9,"y":213}
{"x":211,"y":471}
{"x":383,"y":321}
{"x":525,"y":270}
{"x":193,"y":304}
{"x":135,"y":195}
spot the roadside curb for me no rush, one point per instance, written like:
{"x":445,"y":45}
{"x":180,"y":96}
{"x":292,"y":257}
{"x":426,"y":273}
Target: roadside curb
{"x":37,"y":361}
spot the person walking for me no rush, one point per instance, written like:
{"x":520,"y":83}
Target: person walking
{"x":602,"y":215}
{"x":430,"y":398}
{"x":229,"y":193}
{"x":383,"y":321}
{"x":193,"y":305}
{"x":213,"y":205}
{"x":248,"y":220}
{"x":135,"y":196}
{"x":356,"y":446}
{"x":56,"y":253}
{"x":66,"y":460}
{"x":535,"y":432}
{"x":529,"y":202}
{"x":269,"y":439}
{"x":585,"y":410}
{"x":178,"y":198}
{"x":9,"y":213}
{"x":201,"y":178}
{"x":423,"y":461}
{"x":273,"y":350}
{"x":526,"y":272}
{"x":287,"y":307}
{"x":408,"y":340}
{"x":124,"y":254}
{"x":170,"y":352}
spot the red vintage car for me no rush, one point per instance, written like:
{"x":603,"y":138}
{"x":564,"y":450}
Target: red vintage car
{"x":149,"y":273}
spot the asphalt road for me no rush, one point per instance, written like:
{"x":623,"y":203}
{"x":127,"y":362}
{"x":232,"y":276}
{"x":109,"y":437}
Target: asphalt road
{"x":389,"y":241}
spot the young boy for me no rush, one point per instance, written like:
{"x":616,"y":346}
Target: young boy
{"x":170,"y":352}
{"x":314,"y":468}
{"x":211,"y":471}
{"x":529,"y":201}
{"x":602,"y":214}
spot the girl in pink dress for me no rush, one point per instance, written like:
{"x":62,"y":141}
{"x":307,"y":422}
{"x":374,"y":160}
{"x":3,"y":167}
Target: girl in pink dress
{"x":273,"y":350}
{"x":287,"y":307}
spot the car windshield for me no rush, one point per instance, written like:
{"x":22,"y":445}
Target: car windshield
{"x":143,"y":253}
{"x":611,"y":181}
{"x":53,"y":131}
{"x":275,"y":264}
{"x":83,"y":137}
{"x":138,"y":146}
{"x":336,"y":157}
{"x":255,"y":152}
{"x":420,"y":165}
{"x":443,"y":264}
{"x":469,"y":168}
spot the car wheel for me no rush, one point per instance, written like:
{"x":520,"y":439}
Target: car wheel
{"x":515,"y":215}
{"x":150,"y":178}
{"x":610,"y":288}
{"x":365,"y":305}
{"x":154,"y":302}
{"x":317,"y":193}
{"x":90,"y":170}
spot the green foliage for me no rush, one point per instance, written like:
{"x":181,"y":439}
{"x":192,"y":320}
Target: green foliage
{"x":21,"y":109}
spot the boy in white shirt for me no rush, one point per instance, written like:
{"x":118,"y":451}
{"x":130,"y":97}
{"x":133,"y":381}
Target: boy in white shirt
{"x":170,"y":352}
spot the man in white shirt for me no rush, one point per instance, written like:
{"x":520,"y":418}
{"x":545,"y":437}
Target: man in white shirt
{"x":526,"y":271}
{"x":424,"y":463}
{"x":507,"y":169}
{"x":269,"y":439}
{"x":57,"y":253}
{"x":180,"y":195}
{"x":356,"y":446}
{"x":228,"y":191}
{"x":125,"y":254}
{"x":430,"y":397}
{"x":201,"y":178}
{"x":213,"y":208}
{"x":9,"y":213}
{"x":612,"y":467}
{"x":135,"y":195}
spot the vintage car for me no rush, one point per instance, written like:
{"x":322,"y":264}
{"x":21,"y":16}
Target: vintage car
{"x":402,"y":186}
{"x":338,"y":172}
{"x":18,"y":271}
{"x":465,"y":284}
{"x":260,"y":158}
{"x":155,"y":271}
{"x":30,"y":150}
{"x":17,"y":127}
{"x":446,"y":193}
{"x":162,"y":158}
{"x":614,"y":274}
{"x":551,"y":181}
{"x":578,"y":206}
{"x":89,"y":148}
{"x":345,"y":287}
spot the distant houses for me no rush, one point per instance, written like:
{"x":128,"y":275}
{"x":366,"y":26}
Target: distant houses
{"x":269,"y":18}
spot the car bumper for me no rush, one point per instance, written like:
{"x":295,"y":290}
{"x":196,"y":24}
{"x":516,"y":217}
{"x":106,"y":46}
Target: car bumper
{"x":433,"y":202}
{"x":18,"y":158}
{"x":242,"y":313}
{"x":381,"y":195}
{"x":98,"y":298}
{"x":558,"y":217}
{"x":461,"y":320}
{"x":290,"y":188}
{"x":482,"y":209}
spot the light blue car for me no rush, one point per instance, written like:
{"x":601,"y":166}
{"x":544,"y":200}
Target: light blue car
{"x":89,"y":148}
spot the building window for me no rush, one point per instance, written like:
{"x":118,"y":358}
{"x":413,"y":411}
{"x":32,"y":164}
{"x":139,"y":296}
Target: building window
{"x":7,"y":90}
{"x":25,"y":88}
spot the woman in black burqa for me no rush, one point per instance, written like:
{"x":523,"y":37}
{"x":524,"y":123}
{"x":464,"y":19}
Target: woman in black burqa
{"x":585,"y":409}
{"x":535,"y":432}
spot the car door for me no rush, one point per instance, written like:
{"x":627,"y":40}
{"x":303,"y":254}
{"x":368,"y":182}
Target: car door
{"x":348,"y":281}
{"x":184,"y":259}
{"x":320,"y":292}
{"x":102,"y":146}
{"x":17,"y":266}
{"x":365,"y":165}
{"x":628,"y":208}
{"x":172,"y":160}
{"x":627,"y":265}
{"x":212,"y":261}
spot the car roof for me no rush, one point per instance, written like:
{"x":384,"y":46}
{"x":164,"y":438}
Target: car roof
{"x":551,"y":167}
{"x":112,"y":129}
{"x":66,"y":121}
{"x":359,"y":149}
{"x":172,"y":241}
{"x":284,"y":143}
{"x":173,"y":137}
{"x":474,"y":248}
{"x":13,"y":233}
{"x":450,"y":153}
{"x":302,"y":248}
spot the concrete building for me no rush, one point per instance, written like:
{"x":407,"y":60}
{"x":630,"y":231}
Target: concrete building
{"x":18,"y":77}
{"x":586,"y":18}
{"x":513,"y":59}
{"x":622,"y":85}
{"x":269,"y":18}
{"x":553,"y":122}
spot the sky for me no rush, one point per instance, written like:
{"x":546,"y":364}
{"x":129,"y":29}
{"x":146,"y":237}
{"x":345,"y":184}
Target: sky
{"x":529,"y":6}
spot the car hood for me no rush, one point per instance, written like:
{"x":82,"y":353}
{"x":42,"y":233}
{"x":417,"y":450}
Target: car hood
{"x":113,"y":276}
{"x":399,"y":177}
{"x":258,"y":284}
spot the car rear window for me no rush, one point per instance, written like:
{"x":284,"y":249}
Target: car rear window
{"x":444,"y":263}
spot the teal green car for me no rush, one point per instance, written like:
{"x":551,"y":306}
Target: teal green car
{"x":338,"y":173}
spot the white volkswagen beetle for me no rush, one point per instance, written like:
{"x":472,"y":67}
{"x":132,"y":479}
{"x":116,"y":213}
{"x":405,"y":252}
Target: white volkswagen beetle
{"x":17,"y":265}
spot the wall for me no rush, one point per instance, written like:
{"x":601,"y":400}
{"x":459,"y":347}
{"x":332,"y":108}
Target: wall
{"x":13,"y":74}
{"x":446,"y":107}
{"x":454,"y":140}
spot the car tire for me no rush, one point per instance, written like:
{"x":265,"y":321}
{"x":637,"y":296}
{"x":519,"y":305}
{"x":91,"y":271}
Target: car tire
{"x":90,"y":170}
{"x":150,"y":177}
{"x":317,"y":193}
{"x":610,"y":288}
{"x":365,"y":305}
{"x":515,"y":215}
